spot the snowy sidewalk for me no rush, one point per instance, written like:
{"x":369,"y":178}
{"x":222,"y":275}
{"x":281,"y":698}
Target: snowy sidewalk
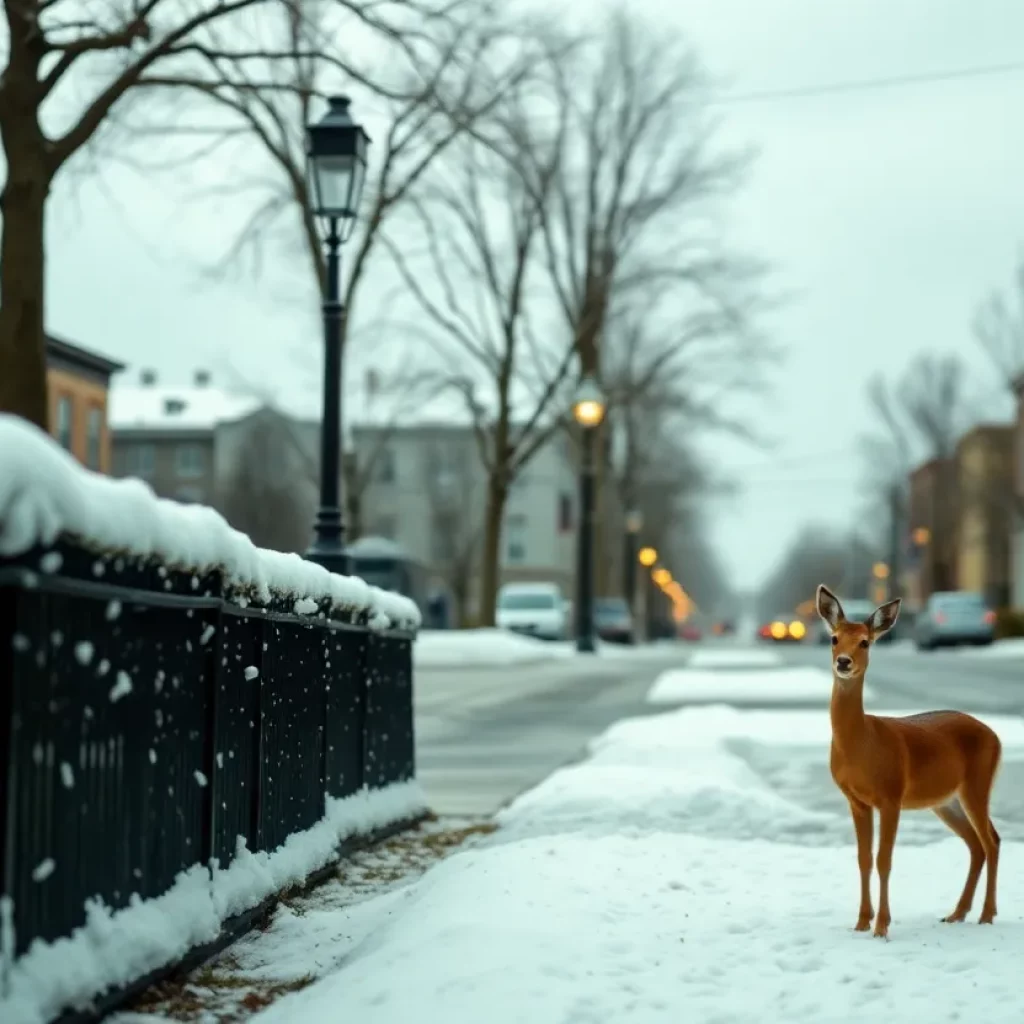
{"x":663,"y":880}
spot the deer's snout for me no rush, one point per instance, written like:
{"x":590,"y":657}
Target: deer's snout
{"x":843,"y":662}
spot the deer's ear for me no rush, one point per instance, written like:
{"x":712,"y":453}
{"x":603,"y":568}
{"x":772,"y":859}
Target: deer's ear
{"x":884,"y":617}
{"x":829,"y":607}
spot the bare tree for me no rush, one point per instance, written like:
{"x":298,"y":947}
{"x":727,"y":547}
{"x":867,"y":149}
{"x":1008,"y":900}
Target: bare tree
{"x":999,"y":327}
{"x":261,"y":497}
{"x":52,"y":45}
{"x":634,"y":204}
{"x":820,"y":555}
{"x":638,"y":176}
{"x":479,"y":225}
{"x":453,"y":504}
{"x":447,"y":64}
{"x":920,"y":418}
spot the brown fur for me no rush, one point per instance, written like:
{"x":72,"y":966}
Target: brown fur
{"x":945,"y":761}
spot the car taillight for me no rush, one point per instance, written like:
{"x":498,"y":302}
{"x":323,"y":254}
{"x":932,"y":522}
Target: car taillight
{"x":990,"y":617}
{"x":939,"y":617}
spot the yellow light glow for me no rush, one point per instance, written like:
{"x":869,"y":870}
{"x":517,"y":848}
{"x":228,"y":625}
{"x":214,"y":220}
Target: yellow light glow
{"x":778,"y":630}
{"x":797,"y":630}
{"x":922,"y":535}
{"x":662,"y":577}
{"x":880,"y":570}
{"x":806,"y":608}
{"x":589,"y":412}
{"x":647,"y":557}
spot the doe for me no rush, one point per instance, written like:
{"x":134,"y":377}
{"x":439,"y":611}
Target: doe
{"x":945,"y":761}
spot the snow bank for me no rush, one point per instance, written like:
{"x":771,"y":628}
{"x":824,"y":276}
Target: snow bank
{"x":617,"y":914}
{"x":790,"y":685}
{"x":499,"y":648}
{"x":734,"y":657}
{"x":482,"y":648}
{"x":113,"y":949}
{"x":45,"y":493}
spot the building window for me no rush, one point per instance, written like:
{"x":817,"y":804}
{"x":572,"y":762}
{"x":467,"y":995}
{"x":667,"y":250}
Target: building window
{"x":65,"y":421}
{"x":189,"y":495}
{"x":94,"y":437}
{"x":190,"y":460}
{"x":145,"y":460}
{"x":515,"y":539}
{"x":564,"y":513}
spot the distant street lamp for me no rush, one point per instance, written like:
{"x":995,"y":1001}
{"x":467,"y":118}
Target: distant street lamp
{"x":588,"y":409}
{"x":647,"y":557}
{"x":336,"y":166}
{"x":880,"y":571}
{"x":921,"y":536}
{"x":662,"y":577}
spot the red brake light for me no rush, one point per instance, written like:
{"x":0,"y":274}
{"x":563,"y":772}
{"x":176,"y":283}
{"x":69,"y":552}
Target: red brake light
{"x":939,"y":617}
{"x":990,"y":617}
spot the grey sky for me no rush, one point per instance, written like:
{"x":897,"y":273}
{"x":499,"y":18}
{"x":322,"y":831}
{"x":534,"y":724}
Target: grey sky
{"x":890,"y":211}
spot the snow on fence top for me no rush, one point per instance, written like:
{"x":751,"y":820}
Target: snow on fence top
{"x":45,"y":495}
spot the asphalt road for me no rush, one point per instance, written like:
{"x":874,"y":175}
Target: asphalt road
{"x":967,"y":679}
{"x":485,"y":735}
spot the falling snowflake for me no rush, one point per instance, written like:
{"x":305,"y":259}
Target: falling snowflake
{"x":122,"y":687}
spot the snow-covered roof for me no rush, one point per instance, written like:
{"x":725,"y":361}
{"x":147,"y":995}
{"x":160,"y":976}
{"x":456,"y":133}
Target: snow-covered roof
{"x":45,"y":494}
{"x":163,"y":407}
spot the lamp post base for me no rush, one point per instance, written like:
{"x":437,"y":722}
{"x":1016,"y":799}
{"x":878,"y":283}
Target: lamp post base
{"x":328,"y":547}
{"x":585,"y":645}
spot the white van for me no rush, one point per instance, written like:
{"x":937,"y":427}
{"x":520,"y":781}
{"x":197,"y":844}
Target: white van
{"x":535,"y":609}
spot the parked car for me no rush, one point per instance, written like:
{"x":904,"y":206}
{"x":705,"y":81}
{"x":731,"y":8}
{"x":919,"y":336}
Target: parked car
{"x":613,"y":620}
{"x":856,"y":610}
{"x":534,"y":609}
{"x":951,"y":617}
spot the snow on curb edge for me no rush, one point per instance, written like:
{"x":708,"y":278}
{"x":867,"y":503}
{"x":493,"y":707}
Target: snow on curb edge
{"x":113,"y":949}
{"x":45,"y":493}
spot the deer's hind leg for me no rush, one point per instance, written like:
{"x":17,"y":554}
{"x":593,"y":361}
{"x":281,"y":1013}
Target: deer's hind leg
{"x":974,"y":795}
{"x":955,"y":818}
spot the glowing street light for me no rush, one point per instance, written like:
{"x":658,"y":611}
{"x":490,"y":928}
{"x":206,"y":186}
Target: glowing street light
{"x":880,"y":571}
{"x":647,"y":557}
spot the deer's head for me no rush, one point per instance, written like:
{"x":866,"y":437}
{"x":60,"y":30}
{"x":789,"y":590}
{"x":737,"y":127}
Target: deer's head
{"x":851,"y":641}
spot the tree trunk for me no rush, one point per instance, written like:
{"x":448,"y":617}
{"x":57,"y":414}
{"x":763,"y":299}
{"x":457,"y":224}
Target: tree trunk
{"x":490,"y":556}
{"x":22,"y":306}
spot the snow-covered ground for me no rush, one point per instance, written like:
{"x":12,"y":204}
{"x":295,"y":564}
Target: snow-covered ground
{"x":742,"y":675}
{"x":798,"y":684}
{"x":734,"y":657}
{"x":494,"y":648}
{"x":664,"y":879}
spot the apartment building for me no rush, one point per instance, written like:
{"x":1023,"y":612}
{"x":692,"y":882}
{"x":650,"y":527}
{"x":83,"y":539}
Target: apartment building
{"x":932,"y":513}
{"x":78,"y":386}
{"x":165,"y":434}
{"x":984,"y":468}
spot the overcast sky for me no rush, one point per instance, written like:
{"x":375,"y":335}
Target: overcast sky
{"x":890,"y":212}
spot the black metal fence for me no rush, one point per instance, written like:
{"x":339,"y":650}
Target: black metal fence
{"x":146,"y":722}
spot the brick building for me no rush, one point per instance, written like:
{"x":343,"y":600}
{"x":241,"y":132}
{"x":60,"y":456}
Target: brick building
{"x":78,"y":386}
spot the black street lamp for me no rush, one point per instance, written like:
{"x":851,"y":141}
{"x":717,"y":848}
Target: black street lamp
{"x":588,"y":410}
{"x":336,"y":165}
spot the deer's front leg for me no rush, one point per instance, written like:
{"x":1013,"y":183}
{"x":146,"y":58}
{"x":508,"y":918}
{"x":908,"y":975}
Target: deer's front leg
{"x":863,"y":821}
{"x":888,"y":823}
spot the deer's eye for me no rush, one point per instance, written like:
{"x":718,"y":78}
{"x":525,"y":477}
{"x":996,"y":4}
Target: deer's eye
{"x":835,"y":640}
{"x":863,"y":643}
